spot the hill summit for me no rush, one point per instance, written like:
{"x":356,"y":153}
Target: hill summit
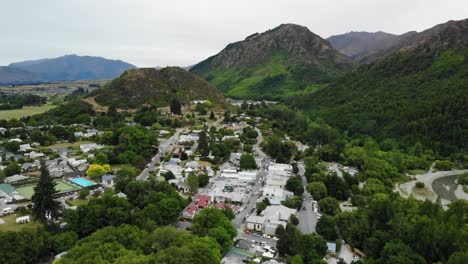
{"x":285,"y":59}
{"x":158,"y":87}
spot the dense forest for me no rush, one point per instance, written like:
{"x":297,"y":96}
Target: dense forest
{"x":17,"y":101}
{"x":419,"y":96}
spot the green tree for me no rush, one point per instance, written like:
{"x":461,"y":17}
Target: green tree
{"x":176,"y":107}
{"x":212,"y":116}
{"x":12,"y":169}
{"x":294,"y":184}
{"x":329,"y":205}
{"x":124,"y":176}
{"x":247,"y":162}
{"x":95,"y":171}
{"x":203,"y":180}
{"x":317,"y":189}
{"x":326,"y":227}
{"x":44,"y":205}
{"x":192,"y":182}
{"x":203,"y":144}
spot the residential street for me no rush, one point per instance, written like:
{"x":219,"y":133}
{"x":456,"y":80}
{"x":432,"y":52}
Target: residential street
{"x":164,"y":147}
{"x":307,"y":218}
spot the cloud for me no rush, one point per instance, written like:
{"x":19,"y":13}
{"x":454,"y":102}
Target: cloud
{"x":178,"y":32}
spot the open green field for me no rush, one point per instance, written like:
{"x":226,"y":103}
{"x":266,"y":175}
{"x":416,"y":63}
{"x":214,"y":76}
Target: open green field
{"x":25,"y":111}
{"x":11,"y":225}
{"x":62,"y":186}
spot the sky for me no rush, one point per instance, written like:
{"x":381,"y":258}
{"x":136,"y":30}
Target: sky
{"x":149,"y":33}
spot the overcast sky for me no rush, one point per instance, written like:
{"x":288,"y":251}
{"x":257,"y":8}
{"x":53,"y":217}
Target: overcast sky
{"x":184,"y":32}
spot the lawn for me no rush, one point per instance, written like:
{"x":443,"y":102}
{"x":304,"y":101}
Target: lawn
{"x":11,"y":225}
{"x":77,"y":202}
{"x":62,"y":186}
{"x":25,"y":111}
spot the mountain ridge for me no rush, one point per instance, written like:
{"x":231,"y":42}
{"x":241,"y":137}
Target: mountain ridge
{"x":66,"y":68}
{"x":286,"y":56}
{"x":136,"y":87}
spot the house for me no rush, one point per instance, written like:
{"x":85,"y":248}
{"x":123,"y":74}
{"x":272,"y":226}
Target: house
{"x":200,"y":202}
{"x":85,"y":148}
{"x":3,"y":130}
{"x":78,"y":134}
{"x":272,"y":217}
{"x":255,"y":223}
{"x":34,"y":155}
{"x":15,"y":140}
{"x":108,"y":181}
{"x":188,"y":138}
{"x":15,"y":178}
{"x":331,"y":247}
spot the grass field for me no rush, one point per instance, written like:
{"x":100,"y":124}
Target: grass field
{"x":62,"y":186}
{"x":11,"y":225}
{"x":77,"y":202}
{"x":25,"y":111}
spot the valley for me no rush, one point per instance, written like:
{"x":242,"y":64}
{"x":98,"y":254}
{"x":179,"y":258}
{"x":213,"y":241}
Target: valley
{"x":284,"y":147}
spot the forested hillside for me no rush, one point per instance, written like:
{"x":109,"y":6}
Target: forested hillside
{"x":415,"y":96}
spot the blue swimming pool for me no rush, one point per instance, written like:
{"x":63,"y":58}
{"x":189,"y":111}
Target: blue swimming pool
{"x":82,"y":182}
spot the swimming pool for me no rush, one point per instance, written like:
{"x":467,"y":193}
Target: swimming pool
{"x":82,"y":182}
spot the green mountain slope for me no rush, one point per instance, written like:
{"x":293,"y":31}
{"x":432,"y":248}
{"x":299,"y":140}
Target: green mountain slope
{"x":417,"y":94}
{"x":272,"y":64}
{"x":152,"y":86}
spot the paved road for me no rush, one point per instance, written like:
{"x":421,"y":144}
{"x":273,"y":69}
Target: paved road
{"x":307,"y":218}
{"x":164,"y":147}
{"x":251,"y":201}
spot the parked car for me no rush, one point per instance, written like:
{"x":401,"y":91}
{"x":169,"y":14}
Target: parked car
{"x":6,"y":211}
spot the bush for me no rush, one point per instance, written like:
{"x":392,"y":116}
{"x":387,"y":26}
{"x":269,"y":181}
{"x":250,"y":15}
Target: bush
{"x":419,"y":184}
{"x":83,"y":193}
{"x":444,"y":165}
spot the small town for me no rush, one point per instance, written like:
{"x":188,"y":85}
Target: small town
{"x":216,"y":132}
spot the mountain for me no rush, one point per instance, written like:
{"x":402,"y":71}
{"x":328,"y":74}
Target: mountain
{"x":152,"y":86}
{"x":12,"y":76}
{"x":417,"y":93}
{"x":283,"y":60}
{"x":73,"y":67}
{"x":360,"y":45}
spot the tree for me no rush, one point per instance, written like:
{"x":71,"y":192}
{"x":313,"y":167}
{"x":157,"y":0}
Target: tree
{"x":83,"y":193}
{"x":124,"y":176}
{"x":203,"y":144}
{"x":294,"y":220}
{"x":192,"y":182}
{"x":203,"y":180}
{"x":101,"y":159}
{"x":317,"y":189}
{"x":176,"y":107}
{"x":247,"y":162}
{"x":329,"y":205}
{"x":212,"y":116}
{"x":44,"y":205}
{"x":95,"y":171}
{"x":12,"y":169}
{"x":294,"y":184}
{"x":214,"y":223}
{"x":326,"y":227}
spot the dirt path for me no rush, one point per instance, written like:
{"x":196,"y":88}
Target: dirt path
{"x":102,"y":108}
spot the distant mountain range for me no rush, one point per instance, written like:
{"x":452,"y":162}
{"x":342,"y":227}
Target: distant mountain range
{"x":365,"y":47}
{"x":65,"y":68}
{"x":157,"y":87}
{"x":285,"y":59}
{"x":362,"y":45}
